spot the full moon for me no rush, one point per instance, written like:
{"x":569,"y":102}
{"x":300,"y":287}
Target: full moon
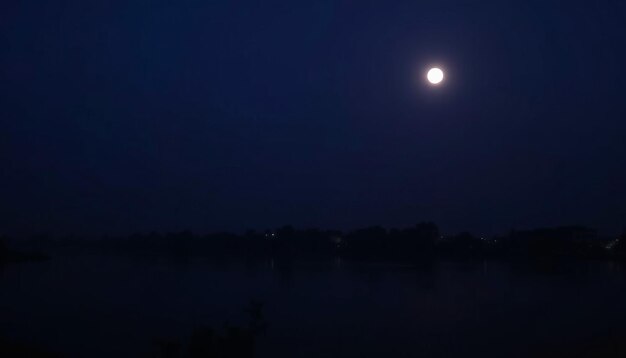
{"x":435,"y":75}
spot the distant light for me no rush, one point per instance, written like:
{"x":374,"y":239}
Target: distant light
{"x":435,"y":75}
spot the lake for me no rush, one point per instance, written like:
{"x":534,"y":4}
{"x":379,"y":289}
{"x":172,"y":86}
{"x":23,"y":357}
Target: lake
{"x":96,"y":305}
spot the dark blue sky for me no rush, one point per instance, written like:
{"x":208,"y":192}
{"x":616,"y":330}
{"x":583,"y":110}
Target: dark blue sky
{"x":122,"y":116}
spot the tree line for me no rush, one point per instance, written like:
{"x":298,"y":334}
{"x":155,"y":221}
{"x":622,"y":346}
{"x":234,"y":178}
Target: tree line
{"x":421,"y":240}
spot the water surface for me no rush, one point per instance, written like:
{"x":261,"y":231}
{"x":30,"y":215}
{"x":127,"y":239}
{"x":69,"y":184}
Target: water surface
{"x":93,"y":305}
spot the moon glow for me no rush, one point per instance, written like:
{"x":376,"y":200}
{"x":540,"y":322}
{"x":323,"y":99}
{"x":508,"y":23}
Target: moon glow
{"x":435,"y":76}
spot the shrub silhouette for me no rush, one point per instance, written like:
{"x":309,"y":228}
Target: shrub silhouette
{"x":230,"y":342}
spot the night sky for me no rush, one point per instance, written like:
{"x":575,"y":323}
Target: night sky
{"x":125,"y":116}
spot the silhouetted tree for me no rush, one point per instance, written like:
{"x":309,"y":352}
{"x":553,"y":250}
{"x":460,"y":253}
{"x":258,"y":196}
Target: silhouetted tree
{"x":564,"y":240}
{"x":464,"y":243}
{"x":618,"y":246}
{"x":286,"y":232}
{"x":4,"y":250}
